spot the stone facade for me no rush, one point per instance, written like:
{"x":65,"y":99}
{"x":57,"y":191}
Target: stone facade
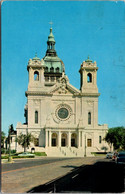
{"x":62,"y":118}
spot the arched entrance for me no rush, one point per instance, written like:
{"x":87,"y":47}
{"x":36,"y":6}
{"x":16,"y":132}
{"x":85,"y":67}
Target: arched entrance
{"x":73,"y":140}
{"x":64,"y":139}
{"x":54,"y":139}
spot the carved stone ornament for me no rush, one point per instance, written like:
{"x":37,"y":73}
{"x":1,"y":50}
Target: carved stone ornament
{"x":37,"y":102}
{"x":62,"y":89}
{"x":90,"y":103}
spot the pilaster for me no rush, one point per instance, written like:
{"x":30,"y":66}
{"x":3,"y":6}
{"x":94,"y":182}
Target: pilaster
{"x":46,"y":138}
{"x":69,"y":139}
{"x":50,"y":138}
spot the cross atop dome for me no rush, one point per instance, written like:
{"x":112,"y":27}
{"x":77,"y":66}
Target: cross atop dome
{"x":51,"y":23}
{"x":88,"y":60}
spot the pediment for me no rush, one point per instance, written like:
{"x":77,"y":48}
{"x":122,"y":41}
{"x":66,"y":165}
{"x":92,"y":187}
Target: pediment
{"x":64,"y":88}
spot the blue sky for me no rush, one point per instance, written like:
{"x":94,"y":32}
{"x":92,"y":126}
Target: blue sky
{"x":80,"y":28}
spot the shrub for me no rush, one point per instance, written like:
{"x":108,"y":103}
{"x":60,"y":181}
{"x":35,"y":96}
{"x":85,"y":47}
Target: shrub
{"x":4,"y":151}
{"x":23,"y":156}
{"x":40,"y":154}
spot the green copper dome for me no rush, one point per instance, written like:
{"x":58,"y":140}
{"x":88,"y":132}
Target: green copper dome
{"x":52,"y":62}
{"x":51,"y":37}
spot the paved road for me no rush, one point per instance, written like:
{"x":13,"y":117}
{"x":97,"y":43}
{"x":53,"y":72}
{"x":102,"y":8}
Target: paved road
{"x":62,"y":175}
{"x":25,"y":163}
{"x":32,"y":173}
{"x":101,"y":177}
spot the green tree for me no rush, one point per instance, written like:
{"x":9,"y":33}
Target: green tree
{"x":24,"y":140}
{"x":116,"y":137}
{"x":2,"y":139}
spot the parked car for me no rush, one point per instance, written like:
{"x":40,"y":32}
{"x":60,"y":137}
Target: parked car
{"x":109,"y":155}
{"x":26,"y":154}
{"x":120,"y":158}
{"x":114,"y":156}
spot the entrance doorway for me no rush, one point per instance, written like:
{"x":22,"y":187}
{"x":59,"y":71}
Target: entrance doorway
{"x":73,"y":140}
{"x":54,"y":139}
{"x":64,"y":140}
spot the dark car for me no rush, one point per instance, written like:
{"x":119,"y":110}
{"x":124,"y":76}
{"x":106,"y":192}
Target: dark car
{"x":120,"y":158}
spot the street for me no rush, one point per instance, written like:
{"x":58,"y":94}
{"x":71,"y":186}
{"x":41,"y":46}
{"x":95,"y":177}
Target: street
{"x":102,"y":177}
{"x":91,"y":174}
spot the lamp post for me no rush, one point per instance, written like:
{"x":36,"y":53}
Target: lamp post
{"x":85,"y":147}
{"x":9,"y":137}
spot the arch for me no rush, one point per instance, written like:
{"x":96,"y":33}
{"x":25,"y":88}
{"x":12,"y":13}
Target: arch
{"x":36,"y":117}
{"x":57,"y":70}
{"x":46,"y":69}
{"x":89,"y":118}
{"x":52,"y":70}
{"x":54,"y":139}
{"x":36,"y":76}
{"x":64,"y":139}
{"x":73,"y":140}
{"x":52,"y":79}
{"x":89,"y":77}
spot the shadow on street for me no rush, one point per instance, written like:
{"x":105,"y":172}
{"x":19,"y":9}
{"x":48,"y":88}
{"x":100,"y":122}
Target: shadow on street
{"x":102,"y":177}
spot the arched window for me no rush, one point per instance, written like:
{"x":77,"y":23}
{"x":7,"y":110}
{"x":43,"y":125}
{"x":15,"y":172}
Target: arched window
{"x":51,"y":69}
{"x":89,"y":77}
{"x":46,"y":69}
{"x":57,"y":70}
{"x":36,"y":117}
{"x":52,"y":79}
{"x":89,"y":118}
{"x":100,"y":139}
{"x":36,"y":76}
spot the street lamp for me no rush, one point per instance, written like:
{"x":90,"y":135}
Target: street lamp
{"x":85,"y":147}
{"x":9,"y":137}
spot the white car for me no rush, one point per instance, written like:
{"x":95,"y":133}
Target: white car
{"x":26,"y":154}
{"x":109,"y":155}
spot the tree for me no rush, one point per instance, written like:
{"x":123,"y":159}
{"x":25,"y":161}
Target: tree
{"x":116,"y":137}
{"x":24,"y":140}
{"x":2,"y":139}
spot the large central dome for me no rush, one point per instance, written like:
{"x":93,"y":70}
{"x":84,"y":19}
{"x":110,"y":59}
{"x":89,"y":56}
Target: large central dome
{"x":54,"y":66}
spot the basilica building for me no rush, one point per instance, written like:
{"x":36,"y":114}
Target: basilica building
{"x":62,"y":118}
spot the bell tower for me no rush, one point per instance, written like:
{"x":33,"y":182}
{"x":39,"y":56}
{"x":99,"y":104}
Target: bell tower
{"x":36,"y":74}
{"x":88,"y":72}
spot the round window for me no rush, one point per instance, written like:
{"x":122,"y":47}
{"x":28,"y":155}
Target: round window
{"x":63,"y":113}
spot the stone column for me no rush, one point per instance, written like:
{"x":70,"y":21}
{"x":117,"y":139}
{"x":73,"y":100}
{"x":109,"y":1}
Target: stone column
{"x":85,"y":145}
{"x":79,"y":139}
{"x":50,"y":139}
{"x":46,"y":138}
{"x":83,"y":140}
{"x":59,"y":140}
{"x":42,"y":77}
{"x":31,"y":75}
{"x":69,"y":139}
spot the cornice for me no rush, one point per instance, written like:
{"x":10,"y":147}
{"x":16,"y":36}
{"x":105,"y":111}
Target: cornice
{"x":87,"y":94}
{"x":34,"y":93}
